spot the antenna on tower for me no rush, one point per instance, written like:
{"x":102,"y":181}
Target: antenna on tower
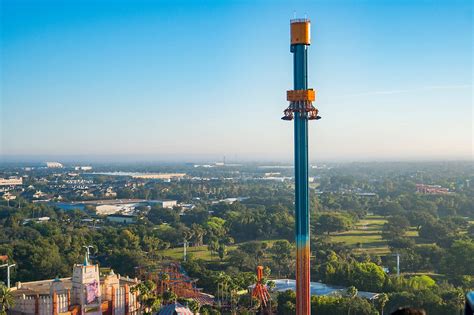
{"x":87,"y":257}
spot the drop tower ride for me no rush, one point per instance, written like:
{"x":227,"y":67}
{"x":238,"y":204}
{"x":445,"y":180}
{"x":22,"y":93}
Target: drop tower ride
{"x":301,"y":110}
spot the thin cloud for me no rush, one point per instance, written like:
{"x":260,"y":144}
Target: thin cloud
{"x":424,"y":88}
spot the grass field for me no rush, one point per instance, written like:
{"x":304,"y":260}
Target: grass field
{"x":366,"y":236}
{"x":200,"y":252}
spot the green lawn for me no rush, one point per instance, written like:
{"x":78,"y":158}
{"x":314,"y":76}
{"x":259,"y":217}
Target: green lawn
{"x":365,"y":237}
{"x":200,"y":252}
{"x":367,"y":233}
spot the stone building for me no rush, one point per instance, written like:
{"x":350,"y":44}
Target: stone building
{"x":84,"y":293}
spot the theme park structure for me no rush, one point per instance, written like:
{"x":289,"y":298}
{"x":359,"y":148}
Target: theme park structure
{"x":301,"y":111}
{"x":85,"y":292}
{"x":260,"y":292}
{"x":172,"y":277}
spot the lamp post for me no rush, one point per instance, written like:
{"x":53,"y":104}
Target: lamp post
{"x":8,"y":272}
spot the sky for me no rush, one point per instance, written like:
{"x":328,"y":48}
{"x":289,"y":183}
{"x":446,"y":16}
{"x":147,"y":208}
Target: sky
{"x":182,"y":80}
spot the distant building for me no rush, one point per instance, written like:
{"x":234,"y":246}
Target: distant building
{"x":87,"y":194}
{"x":8,"y":196}
{"x":109,"y":192}
{"x":83,"y":168}
{"x":162,"y":176}
{"x":230,"y":200}
{"x":167,"y":203}
{"x":12,"y":181}
{"x":37,"y":220}
{"x":85,"y":293}
{"x":431,"y":189}
{"x":121,"y":218}
{"x":54,"y":165}
{"x":38,"y":194}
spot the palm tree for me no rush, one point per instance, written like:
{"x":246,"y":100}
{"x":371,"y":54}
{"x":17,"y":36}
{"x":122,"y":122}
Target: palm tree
{"x":194,"y":306}
{"x":164,"y":279}
{"x":382,"y":299}
{"x":198,"y":234}
{"x":6,"y":300}
{"x":351,"y":293}
{"x":271,"y":285}
{"x":169,"y":296}
{"x":146,"y":295}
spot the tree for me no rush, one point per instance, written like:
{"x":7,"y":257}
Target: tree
{"x":332,"y":222}
{"x":460,"y":258}
{"x":149,"y":302}
{"x":282,"y":261}
{"x":435,"y":231}
{"x":222,"y":251}
{"x":194,"y":306}
{"x":351,"y":293}
{"x":198,"y":234}
{"x":381,"y":300}
{"x":389,"y":208}
{"x":159,"y":215}
{"x":213,"y":247}
{"x":395,"y":228}
{"x":368,"y":276}
{"x":419,"y":218}
{"x":421,"y":282}
{"x":286,"y":303}
{"x":255,"y":249}
{"x":401,"y":242}
{"x":169,"y":296}
{"x":6,"y":300}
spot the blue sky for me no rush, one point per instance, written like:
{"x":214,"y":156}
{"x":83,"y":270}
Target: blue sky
{"x":199,"y":80}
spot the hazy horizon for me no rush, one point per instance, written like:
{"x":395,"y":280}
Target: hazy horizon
{"x":203,"y":159}
{"x":175,"y":81}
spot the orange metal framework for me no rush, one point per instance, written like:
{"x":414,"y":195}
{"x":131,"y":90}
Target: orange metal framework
{"x":301,"y":95}
{"x":260,"y":290}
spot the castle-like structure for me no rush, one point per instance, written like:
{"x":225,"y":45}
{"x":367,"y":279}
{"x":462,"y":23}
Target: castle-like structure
{"x":84,"y":293}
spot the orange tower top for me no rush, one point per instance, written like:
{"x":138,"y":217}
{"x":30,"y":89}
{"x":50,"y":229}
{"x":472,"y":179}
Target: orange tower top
{"x":300,"y":31}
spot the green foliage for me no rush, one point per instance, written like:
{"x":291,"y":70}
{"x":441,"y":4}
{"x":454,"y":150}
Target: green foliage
{"x":7,"y":300}
{"x":326,"y":305}
{"x":431,"y":232}
{"x":395,"y":228}
{"x":366,"y":276}
{"x":159,"y":215}
{"x":460,"y":258}
{"x":282,"y":261}
{"x":421,"y":282}
{"x":333,"y":222}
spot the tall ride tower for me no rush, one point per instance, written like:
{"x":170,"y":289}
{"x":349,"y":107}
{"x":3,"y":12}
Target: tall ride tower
{"x":301,"y":110}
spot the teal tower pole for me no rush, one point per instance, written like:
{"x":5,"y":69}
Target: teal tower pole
{"x":301,"y":111}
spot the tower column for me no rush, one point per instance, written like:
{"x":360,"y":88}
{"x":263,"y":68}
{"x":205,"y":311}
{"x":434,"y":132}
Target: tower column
{"x":301,"y":110}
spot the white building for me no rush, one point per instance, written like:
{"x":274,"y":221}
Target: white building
{"x":83,"y":168}
{"x":38,"y":194}
{"x":12,"y":181}
{"x":167,"y":203}
{"x":8,"y":196}
{"x":54,"y":165}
